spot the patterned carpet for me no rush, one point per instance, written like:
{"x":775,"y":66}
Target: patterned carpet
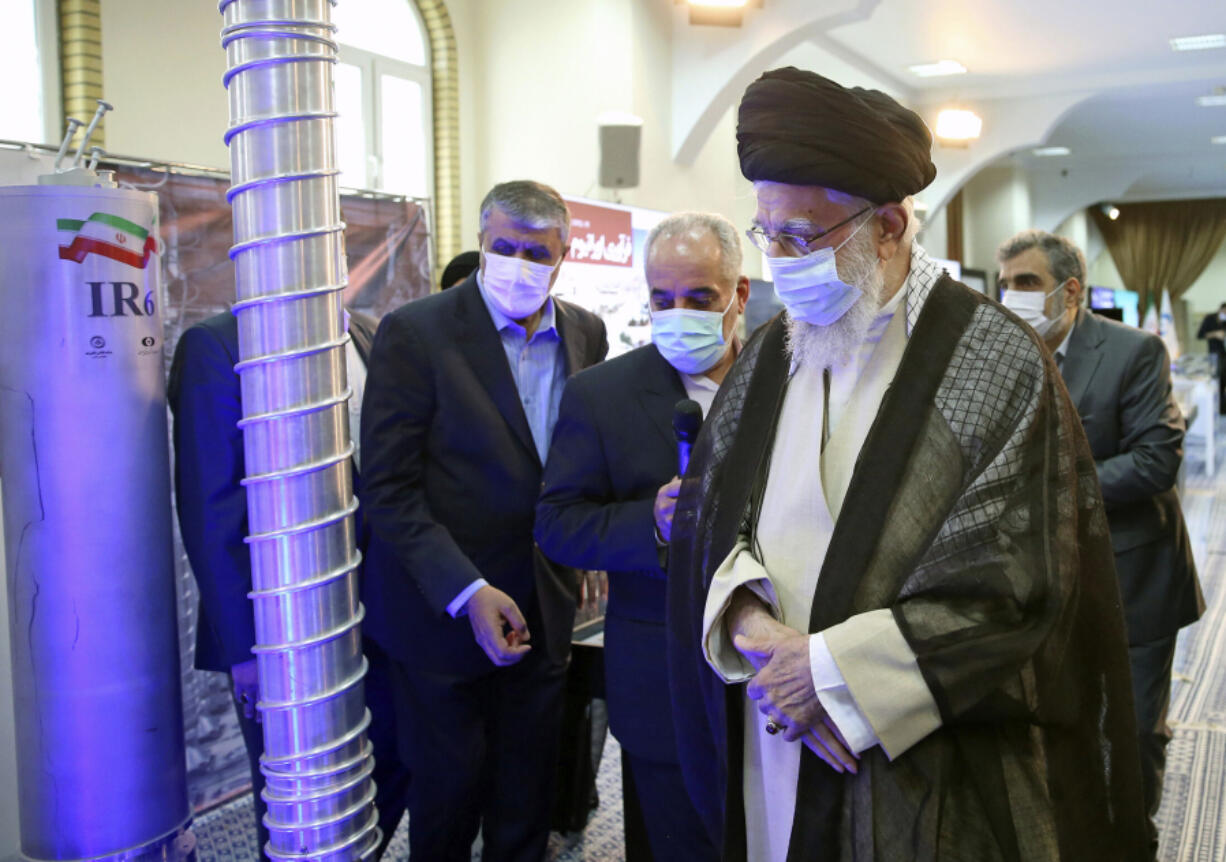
{"x":1195,"y":789}
{"x":227,"y":834}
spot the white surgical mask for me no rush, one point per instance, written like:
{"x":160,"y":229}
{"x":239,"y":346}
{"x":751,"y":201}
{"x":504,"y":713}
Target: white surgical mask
{"x":692,"y":341}
{"x":515,"y":286}
{"x":809,"y":286}
{"x":1031,"y":306}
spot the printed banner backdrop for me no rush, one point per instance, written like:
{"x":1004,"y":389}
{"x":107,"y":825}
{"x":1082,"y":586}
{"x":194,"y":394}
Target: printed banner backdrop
{"x":604,"y":270}
{"x":387,"y":242}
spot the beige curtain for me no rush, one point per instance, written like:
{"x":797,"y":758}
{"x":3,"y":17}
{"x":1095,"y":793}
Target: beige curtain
{"x":1166,"y":244}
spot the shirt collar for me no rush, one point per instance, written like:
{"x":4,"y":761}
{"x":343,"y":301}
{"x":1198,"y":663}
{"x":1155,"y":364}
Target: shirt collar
{"x":1062,"y":350}
{"x":698,"y":381}
{"x":502,"y":322}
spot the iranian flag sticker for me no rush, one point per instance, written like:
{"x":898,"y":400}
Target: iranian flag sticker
{"x":107,"y":235}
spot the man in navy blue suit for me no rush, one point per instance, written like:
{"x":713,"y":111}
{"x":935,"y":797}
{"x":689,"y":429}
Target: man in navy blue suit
{"x":610,"y":488}
{"x":461,"y":397}
{"x":204,"y":396}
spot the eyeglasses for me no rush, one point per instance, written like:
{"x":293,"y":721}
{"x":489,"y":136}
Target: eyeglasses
{"x":795,"y":244}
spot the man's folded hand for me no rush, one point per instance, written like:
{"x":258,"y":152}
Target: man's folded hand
{"x":498,"y":626}
{"x":783,"y":689}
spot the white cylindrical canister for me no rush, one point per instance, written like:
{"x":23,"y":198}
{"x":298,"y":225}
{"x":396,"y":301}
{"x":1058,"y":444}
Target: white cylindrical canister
{"x":84,"y":459}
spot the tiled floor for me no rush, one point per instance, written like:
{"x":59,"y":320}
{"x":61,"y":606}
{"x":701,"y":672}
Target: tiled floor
{"x":1195,"y":789}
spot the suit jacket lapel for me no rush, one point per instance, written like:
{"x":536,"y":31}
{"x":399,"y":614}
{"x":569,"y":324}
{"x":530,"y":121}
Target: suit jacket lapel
{"x":482,"y":347}
{"x":574,"y":339}
{"x":1083,"y":355}
{"x":661,"y":391}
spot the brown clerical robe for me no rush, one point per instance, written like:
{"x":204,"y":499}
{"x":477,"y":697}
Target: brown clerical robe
{"x":974,"y":516}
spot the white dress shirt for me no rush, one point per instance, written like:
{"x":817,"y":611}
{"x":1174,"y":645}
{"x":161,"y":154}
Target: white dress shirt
{"x":700,"y":388}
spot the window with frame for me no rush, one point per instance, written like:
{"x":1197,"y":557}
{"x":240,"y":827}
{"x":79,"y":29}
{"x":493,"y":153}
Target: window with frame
{"x":22,"y":117}
{"x":384,"y":133}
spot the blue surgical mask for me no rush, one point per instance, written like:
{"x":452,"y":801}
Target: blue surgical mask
{"x":692,"y":341}
{"x":516,"y":287}
{"x":810,"y":288}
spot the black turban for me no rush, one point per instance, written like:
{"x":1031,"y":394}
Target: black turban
{"x":799,"y":128}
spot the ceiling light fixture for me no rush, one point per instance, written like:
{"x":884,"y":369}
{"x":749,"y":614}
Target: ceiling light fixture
{"x":1044,"y":152}
{"x":958,"y":126}
{"x":938,"y":69}
{"x":1199,"y":43}
{"x":1218,"y":139}
{"x":1110,"y":212}
{"x":1215,"y":99}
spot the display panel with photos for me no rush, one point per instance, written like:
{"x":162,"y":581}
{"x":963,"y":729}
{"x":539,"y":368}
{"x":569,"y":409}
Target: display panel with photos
{"x":603,"y":271}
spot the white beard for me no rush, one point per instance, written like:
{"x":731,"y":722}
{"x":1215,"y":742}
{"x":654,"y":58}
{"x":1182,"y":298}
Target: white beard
{"x":832,"y":346}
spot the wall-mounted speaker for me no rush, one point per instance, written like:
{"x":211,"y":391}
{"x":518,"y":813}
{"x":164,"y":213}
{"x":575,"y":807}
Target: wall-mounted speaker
{"x":620,"y":137}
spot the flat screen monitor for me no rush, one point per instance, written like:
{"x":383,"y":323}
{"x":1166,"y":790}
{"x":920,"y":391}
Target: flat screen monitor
{"x":975,"y":279}
{"x":1102,"y":297}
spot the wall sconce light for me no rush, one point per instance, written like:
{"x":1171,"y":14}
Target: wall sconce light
{"x":958,"y":127}
{"x":719,"y":13}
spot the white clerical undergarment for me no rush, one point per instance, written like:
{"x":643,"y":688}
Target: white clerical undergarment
{"x":804,"y":493}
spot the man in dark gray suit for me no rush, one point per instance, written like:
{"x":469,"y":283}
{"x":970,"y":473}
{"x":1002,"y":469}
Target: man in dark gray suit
{"x":609,"y":493}
{"x":1119,"y":378}
{"x":462,"y":395}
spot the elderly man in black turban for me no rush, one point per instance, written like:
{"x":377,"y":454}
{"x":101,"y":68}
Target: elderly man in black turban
{"x":895,"y":628}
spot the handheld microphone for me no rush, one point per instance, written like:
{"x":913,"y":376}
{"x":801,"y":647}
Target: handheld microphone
{"x":687,"y":420}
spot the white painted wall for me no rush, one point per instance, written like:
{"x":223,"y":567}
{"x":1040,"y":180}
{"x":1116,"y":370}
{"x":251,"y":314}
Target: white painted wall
{"x":1103,"y":272}
{"x":935,"y":234}
{"x":996,"y":205}
{"x":529,"y":106}
{"x":1076,"y":229}
{"x":161,"y":68}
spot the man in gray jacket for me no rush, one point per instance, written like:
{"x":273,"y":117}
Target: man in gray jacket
{"x":1119,"y":379}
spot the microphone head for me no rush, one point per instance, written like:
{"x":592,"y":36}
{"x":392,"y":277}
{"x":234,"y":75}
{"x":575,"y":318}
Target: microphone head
{"x":687,"y":420}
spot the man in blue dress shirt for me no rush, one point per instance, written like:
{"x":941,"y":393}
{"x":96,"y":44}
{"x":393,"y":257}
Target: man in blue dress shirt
{"x":461,"y":396}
